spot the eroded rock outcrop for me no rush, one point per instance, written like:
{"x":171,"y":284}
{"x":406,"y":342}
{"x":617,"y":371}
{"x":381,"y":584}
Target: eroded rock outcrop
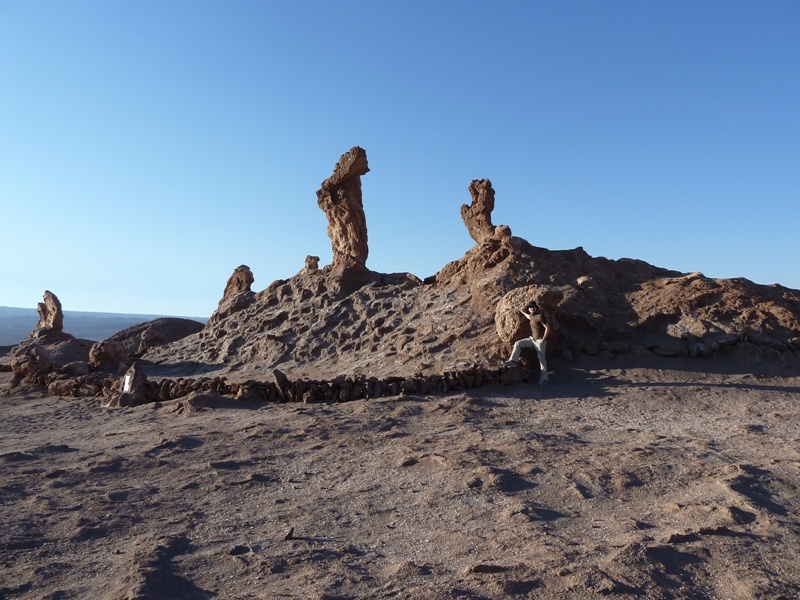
{"x":478,"y":215}
{"x":238,"y":283}
{"x":237,"y":295}
{"x":150,"y":338}
{"x":50,"y":328}
{"x":312,"y":264}
{"x":348,"y":319}
{"x":108,"y":354}
{"x":141,"y":337}
{"x":495,"y":250}
{"x":50,"y":314}
{"x":512,"y":326}
{"x":340,"y":197}
{"x":31,"y":362}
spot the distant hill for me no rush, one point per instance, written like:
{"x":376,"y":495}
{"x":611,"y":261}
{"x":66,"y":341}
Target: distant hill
{"x":16,"y":323}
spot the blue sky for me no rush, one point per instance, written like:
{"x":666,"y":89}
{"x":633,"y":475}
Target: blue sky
{"x":149,"y":148}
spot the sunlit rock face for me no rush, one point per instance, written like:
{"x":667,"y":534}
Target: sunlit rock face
{"x":340,"y":198}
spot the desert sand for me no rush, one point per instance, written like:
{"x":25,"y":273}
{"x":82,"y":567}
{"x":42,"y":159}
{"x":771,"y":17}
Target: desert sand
{"x":638,"y":477}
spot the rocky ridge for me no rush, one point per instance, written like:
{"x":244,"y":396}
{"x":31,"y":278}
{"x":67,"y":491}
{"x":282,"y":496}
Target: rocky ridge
{"x":397,"y":325}
{"x":345,"y":332}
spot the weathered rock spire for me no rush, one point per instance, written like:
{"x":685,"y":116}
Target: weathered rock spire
{"x":240,"y":281}
{"x":50,"y":314}
{"x":340,"y":198}
{"x":478,"y":215}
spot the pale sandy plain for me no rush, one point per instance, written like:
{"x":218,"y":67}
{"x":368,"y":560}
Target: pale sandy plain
{"x":638,"y":477}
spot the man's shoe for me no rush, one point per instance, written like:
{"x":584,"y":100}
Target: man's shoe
{"x":510,"y":363}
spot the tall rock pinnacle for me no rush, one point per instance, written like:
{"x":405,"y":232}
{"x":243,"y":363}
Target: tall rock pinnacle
{"x":50,"y":314}
{"x":478,"y":215}
{"x":340,"y":198}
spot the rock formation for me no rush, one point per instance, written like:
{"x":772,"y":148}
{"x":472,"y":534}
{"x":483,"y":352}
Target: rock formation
{"x":382,"y":326}
{"x":237,"y":295}
{"x":512,"y":326}
{"x":131,"y":390}
{"x":478,"y":215}
{"x":346,"y":332}
{"x":312,"y":264}
{"x":108,"y":353}
{"x":50,"y":328}
{"x":238,"y":283}
{"x":340,"y":198}
{"x":163,"y":330}
{"x":150,"y":338}
{"x":31,"y":362}
{"x":50,"y":314}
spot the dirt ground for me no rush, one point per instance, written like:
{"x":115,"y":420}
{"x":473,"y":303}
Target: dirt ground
{"x":673,"y":478}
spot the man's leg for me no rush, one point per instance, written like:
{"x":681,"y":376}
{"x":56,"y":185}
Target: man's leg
{"x":541,"y":351}
{"x":518,"y":346}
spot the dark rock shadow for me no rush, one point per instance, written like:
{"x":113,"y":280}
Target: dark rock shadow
{"x":160,"y":579}
{"x":751,"y":486}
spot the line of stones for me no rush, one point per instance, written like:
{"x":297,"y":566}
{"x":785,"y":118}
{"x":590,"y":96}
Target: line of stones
{"x":340,"y":389}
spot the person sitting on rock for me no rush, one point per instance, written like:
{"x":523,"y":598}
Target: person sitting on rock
{"x":538,"y":339}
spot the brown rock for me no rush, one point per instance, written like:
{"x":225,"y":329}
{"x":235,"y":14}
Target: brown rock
{"x":283,"y":384}
{"x":312,"y":264}
{"x":145,"y":336}
{"x":108,"y":353}
{"x":340,"y":198}
{"x":605,"y":354}
{"x":31,"y":362}
{"x":63,"y":387}
{"x":151,"y":338}
{"x":237,"y":295}
{"x":320,"y":324}
{"x":50,"y":314}
{"x":478,"y":215}
{"x":239,"y":282}
{"x":132,"y":389}
{"x":76,"y":368}
{"x":511,"y":325}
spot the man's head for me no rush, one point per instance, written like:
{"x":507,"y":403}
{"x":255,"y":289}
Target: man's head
{"x":532,"y":306}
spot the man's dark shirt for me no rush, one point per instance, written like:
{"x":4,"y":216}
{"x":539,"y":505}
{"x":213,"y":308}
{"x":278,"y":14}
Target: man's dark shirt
{"x":537,"y":326}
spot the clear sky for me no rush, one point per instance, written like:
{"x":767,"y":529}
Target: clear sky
{"x":148,"y":148}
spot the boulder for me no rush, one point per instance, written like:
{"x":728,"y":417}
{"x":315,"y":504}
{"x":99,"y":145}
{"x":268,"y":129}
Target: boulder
{"x":151,"y":338}
{"x":132,"y":389}
{"x":108,"y":353}
{"x":671,"y":348}
{"x":31,"y":362}
{"x":511,"y":325}
{"x":76,"y":369}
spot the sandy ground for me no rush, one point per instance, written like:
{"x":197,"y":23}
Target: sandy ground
{"x":676,"y":479}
